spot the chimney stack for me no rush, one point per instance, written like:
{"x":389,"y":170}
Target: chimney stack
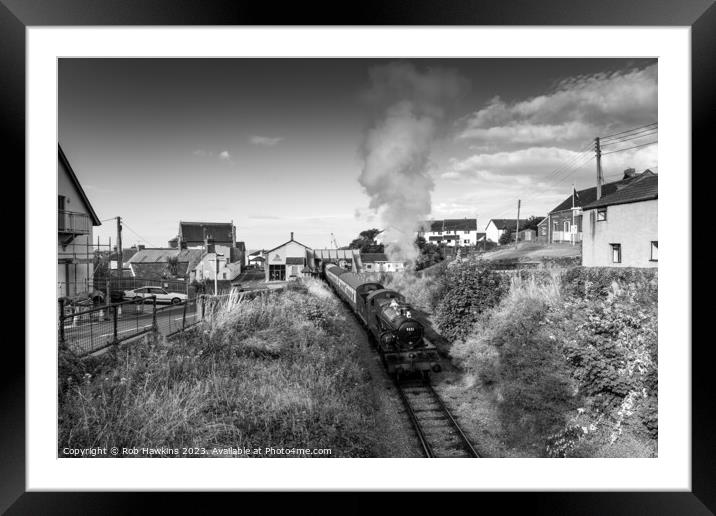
{"x":630,"y":172}
{"x":291,"y":235}
{"x":140,"y":247}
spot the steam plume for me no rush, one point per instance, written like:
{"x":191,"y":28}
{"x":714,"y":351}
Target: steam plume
{"x":411,"y":108}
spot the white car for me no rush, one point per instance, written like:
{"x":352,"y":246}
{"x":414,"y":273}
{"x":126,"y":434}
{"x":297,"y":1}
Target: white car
{"x":162,"y":295}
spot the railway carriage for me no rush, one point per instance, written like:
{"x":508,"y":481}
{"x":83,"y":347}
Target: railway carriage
{"x":399,"y":337}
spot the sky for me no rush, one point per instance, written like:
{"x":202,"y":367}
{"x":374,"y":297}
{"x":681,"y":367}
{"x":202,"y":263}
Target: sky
{"x":335,"y":146}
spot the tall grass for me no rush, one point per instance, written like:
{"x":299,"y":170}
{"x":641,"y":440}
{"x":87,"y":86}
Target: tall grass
{"x":275,"y":371}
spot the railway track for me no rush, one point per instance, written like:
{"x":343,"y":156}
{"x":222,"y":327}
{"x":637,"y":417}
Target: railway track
{"x":439,"y":434}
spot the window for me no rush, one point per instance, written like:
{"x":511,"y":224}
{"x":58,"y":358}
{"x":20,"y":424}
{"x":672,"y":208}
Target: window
{"x":601,"y":214}
{"x":555,"y":225}
{"x":565,"y":226}
{"x":654,"y":251}
{"x":467,"y":232}
{"x":277,"y":272}
{"x":465,"y":241}
{"x":616,"y":253}
{"x":61,"y":202}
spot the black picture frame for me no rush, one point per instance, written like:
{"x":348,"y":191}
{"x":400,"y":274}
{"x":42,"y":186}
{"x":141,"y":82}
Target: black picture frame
{"x":700,"y":15}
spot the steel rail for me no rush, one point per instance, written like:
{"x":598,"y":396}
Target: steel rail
{"x":427,"y":449}
{"x":454,"y":424}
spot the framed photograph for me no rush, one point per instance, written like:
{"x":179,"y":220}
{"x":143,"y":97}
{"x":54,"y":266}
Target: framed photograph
{"x":412,"y":234}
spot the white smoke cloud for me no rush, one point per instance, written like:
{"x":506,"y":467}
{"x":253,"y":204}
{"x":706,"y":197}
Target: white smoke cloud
{"x":396,"y":149}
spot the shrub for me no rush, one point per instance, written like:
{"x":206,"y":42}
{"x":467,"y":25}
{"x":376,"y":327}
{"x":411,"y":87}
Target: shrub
{"x":465,"y":291}
{"x":597,"y":282}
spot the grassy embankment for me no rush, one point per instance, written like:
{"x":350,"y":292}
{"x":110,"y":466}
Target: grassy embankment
{"x":556,"y":363}
{"x":275,"y":371}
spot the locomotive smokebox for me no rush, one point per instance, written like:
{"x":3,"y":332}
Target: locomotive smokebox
{"x":410,"y":331}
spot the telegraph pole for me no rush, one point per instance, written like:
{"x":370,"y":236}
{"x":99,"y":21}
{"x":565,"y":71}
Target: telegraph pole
{"x":119,"y":249}
{"x":517,"y":233}
{"x":598,"y":151}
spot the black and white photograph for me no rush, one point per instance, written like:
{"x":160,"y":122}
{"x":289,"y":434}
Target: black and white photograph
{"x":292,"y":257}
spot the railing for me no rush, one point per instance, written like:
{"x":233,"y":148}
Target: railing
{"x":72,"y":222}
{"x":86,"y":331}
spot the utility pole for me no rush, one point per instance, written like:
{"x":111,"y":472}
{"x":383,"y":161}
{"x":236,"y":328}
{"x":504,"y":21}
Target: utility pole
{"x":598,"y":151}
{"x":119,"y":251}
{"x":517,"y":233}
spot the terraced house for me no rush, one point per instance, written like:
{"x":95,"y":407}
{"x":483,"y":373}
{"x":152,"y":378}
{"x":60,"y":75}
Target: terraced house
{"x":621,"y":229}
{"x":564,"y":222}
{"x":452,"y":232}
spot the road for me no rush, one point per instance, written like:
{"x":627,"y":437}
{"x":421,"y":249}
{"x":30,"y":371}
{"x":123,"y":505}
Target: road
{"x":87,"y":335}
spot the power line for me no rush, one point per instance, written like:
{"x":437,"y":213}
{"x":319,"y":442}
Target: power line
{"x":628,"y":148}
{"x":124,"y":224}
{"x":630,"y":137}
{"x":609,"y":136}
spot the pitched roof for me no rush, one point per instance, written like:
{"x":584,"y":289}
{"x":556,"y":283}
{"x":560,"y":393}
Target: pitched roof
{"x":508,"y":223}
{"x":78,"y":186}
{"x":589,"y":195}
{"x":374,"y":257}
{"x":646,"y":188}
{"x":451,"y":225}
{"x":194,"y":231}
{"x":287,"y":242}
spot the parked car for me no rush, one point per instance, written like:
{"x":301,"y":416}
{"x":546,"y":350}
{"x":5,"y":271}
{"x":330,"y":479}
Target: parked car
{"x":162,"y":295}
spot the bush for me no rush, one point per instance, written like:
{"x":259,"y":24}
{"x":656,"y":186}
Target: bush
{"x":464,"y":292}
{"x":512,"y":353}
{"x":571,"y":362}
{"x":597,"y":282}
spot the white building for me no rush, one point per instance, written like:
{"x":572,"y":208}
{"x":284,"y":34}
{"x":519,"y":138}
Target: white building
{"x":379,"y":262}
{"x":497,"y":227}
{"x":621,"y":229}
{"x":452,"y":232}
{"x":286,"y":261}
{"x":75,"y":220}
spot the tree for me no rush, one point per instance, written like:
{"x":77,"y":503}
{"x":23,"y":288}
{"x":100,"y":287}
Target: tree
{"x":506,"y":237}
{"x":428,"y":254}
{"x":531,"y":223}
{"x":366,"y":242}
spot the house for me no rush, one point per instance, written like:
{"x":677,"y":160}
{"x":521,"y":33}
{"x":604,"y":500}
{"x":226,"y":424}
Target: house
{"x":451,"y":232}
{"x":216,"y":265}
{"x":165,"y":262}
{"x":204,"y":234}
{"x":621,"y":228}
{"x":379,"y":262}
{"x":75,"y":219}
{"x":497,"y":227}
{"x":543,"y":231}
{"x":286,"y":261}
{"x":565,"y":220}
{"x":256,"y":258}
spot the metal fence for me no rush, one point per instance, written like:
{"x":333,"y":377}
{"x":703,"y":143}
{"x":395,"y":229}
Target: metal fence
{"x":86,"y":330}
{"x":175,"y":319}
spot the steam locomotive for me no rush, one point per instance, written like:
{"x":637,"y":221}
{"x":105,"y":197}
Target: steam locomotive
{"x":398,"y":336}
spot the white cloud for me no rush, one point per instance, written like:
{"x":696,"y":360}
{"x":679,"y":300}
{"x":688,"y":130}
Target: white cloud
{"x":266,"y":141}
{"x":578,"y":109}
{"x":225,"y":155}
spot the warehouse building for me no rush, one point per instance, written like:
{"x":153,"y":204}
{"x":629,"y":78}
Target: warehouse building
{"x":286,"y":261}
